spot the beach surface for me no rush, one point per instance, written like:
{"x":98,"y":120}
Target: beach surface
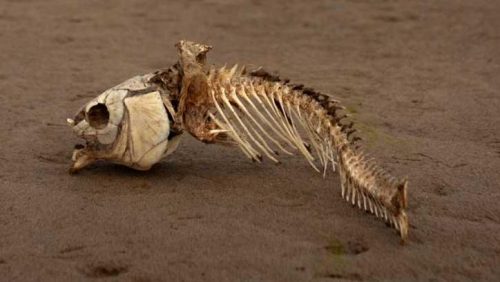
{"x":420,"y":78}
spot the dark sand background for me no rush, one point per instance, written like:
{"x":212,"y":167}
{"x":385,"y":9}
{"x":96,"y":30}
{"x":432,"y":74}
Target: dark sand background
{"x":422,"y":79}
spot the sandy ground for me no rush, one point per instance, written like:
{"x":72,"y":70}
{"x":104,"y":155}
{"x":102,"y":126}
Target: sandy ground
{"x":422,"y":79}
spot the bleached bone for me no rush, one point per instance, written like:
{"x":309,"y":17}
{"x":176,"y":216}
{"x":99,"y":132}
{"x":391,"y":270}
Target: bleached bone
{"x":141,"y":120}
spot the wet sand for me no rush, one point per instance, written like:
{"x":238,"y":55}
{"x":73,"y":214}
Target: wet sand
{"x":421,"y":79}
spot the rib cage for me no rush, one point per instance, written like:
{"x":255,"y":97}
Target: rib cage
{"x":263,"y":116}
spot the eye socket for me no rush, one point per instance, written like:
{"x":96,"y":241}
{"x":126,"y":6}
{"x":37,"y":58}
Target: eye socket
{"x":98,"y":116}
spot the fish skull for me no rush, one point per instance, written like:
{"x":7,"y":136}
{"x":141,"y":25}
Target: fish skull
{"x":129,"y":124}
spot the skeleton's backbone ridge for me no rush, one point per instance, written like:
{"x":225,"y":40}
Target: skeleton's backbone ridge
{"x":255,"y":111}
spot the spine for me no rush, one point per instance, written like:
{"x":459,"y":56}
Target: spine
{"x":315,"y":124}
{"x":363,"y":183}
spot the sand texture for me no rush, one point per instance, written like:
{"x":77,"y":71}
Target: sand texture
{"x":421,"y":79}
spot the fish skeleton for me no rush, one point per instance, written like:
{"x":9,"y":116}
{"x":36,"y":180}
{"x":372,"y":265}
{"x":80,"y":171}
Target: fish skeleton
{"x":141,"y":121}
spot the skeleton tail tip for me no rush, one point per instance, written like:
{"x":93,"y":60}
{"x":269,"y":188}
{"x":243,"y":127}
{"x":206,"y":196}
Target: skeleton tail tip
{"x":403,"y":191}
{"x":403,"y":231}
{"x":402,"y":202}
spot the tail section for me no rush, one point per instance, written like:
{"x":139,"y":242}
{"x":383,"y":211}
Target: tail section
{"x":264,"y":115}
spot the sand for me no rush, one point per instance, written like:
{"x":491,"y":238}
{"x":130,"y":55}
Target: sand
{"x":421,"y":79}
